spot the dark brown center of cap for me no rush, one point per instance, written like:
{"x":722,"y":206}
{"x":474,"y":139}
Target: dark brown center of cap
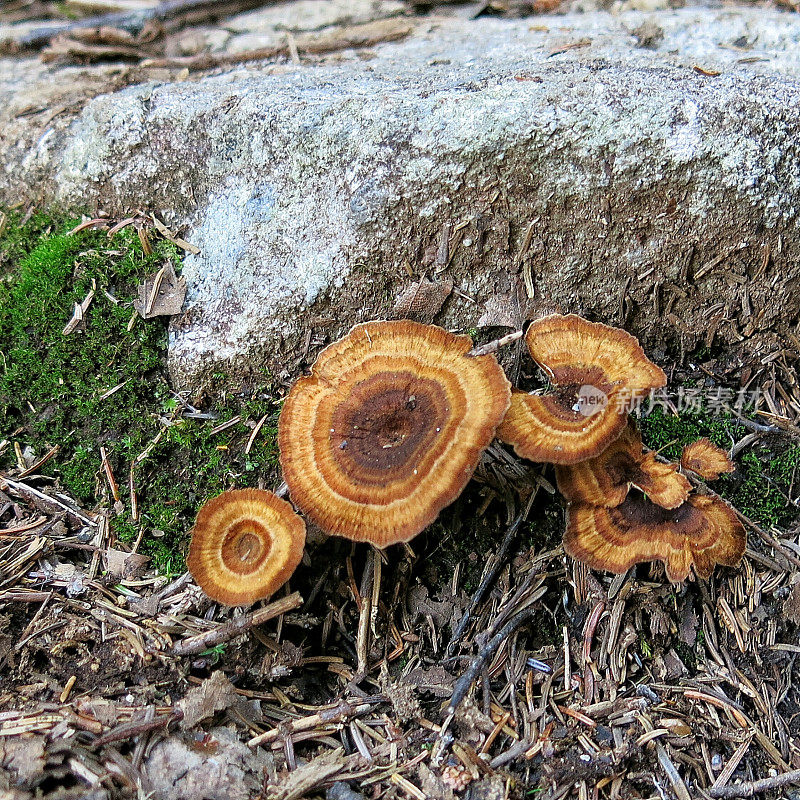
{"x":567,"y":397}
{"x":247,"y":544}
{"x":578,"y":392}
{"x":637,"y":511}
{"x":387,"y":425}
{"x":622,"y":468}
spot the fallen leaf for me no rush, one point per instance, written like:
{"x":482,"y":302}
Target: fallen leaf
{"x":498,"y":312}
{"x":504,"y":311}
{"x":213,"y":694}
{"x":214,"y":765}
{"x":436,"y":680}
{"x":422,"y":300}
{"x":445,"y":612}
{"x":23,"y":757}
{"x":104,"y":711}
{"x":162,"y":294}
{"x":124,"y":565}
{"x":308,"y":777}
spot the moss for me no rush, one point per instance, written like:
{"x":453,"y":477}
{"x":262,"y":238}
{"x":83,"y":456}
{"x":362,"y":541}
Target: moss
{"x":53,"y":388}
{"x":687,"y":654}
{"x":765,"y":472}
{"x":19,"y":235}
{"x":54,"y":385}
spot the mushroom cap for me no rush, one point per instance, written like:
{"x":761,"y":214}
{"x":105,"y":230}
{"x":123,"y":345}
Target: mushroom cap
{"x":388,"y":428}
{"x":596,"y":371}
{"x":706,"y":459}
{"x":246,"y":543}
{"x":701,"y":532}
{"x":547,"y":428}
{"x":662,"y":483}
{"x":606,"y":479}
{"x":566,"y":346}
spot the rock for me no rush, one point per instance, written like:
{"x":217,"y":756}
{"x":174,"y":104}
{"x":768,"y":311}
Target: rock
{"x":214,"y":766}
{"x":560,"y":159}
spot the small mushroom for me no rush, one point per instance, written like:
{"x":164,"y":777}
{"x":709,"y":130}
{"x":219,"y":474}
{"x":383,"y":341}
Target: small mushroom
{"x":246,"y":543}
{"x":700,"y":533}
{"x":606,"y":479}
{"x":706,"y":459}
{"x":388,"y":429}
{"x":596,"y":371}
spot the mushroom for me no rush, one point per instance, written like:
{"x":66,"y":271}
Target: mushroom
{"x":388,"y":428}
{"x":595,"y":371}
{"x":700,"y":533}
{"x":246,"y":543}
{"x":606,"y":479}
{"x":706,"y":459}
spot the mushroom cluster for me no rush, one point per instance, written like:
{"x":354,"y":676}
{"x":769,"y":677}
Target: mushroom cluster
{"x":384,"y":433}
{"x":391,"y":422}
{"x":625,"y":506}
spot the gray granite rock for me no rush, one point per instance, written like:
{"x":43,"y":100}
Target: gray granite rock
{"x":643,"y":187}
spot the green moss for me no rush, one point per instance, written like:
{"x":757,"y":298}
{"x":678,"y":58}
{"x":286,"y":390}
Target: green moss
{"x":18,"y":236}
{"x":54,"y":388}
{"x":765,"y":472}
{"x":54,"y":385}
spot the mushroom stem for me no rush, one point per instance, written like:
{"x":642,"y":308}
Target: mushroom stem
{"x":236,"y":627}
{"x":494,"y":346}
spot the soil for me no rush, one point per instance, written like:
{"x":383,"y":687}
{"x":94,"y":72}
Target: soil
{"x":694,"y":680}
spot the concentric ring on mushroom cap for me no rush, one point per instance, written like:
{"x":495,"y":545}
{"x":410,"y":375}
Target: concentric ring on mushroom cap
{"x":596,"y":372}
{"x":702,"y":532}
{"x":388,"y":429}
{"x":246,"y":543}
{"x":706,"y":459}
{"x":606,"y":479}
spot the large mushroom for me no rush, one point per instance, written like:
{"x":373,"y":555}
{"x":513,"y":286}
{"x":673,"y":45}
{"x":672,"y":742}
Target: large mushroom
{"x":596,"y":371}
{"x":606,"y":479}
{"x":388,"y":428}
{"x":246,"y":543}
{"x":700,"y":533}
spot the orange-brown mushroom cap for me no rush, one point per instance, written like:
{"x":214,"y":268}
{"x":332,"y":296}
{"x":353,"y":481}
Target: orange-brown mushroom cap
{"x":700,"y":533}
{"x":706,"y":459}
{"x":606,"y":479}
{"x":596,"y":372}
{"x":246,"y":543}
{"x":388,"y":429}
